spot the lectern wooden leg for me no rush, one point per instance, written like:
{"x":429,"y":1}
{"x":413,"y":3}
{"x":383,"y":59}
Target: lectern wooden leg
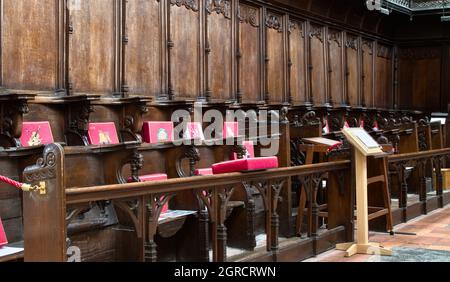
{"x":362,"y":246}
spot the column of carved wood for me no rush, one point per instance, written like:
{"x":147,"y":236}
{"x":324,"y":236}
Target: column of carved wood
{"x":276,"y":189}
{"x":124,"y":88}
{"x":45,"y":215}
{"x":223,"y":197}
{"x":154,"y":205}
{"x":437,"y":161}
{"x":422,"y":168}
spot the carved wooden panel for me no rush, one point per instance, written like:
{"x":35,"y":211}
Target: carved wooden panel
{"x":220,"y":46}
{"x":420,"y":78}
{"x":275,"y":76}
{"x":298,"y":63}
{"x":318,"y":62}
{"x":30,"y":44}
{"x":144,"y":52}
{"x":336,"y":66}
{"x":92,"y":46}
{"x":352,"y":65}
{"x":384,"y":77}
{"x":185,"y":53}
{"x":250,"y":53}
{"x":368,"y":72}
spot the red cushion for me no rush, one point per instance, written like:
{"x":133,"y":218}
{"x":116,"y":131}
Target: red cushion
{"x":151,"y":177}
{"x":204,"y":171}
{"x":3,"y":240}
{"x":245,"y":165}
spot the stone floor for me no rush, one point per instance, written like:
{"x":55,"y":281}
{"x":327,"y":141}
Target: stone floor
{"x":431,"y":241}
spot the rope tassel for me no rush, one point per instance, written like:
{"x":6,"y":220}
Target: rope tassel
{"x":23,"y":186}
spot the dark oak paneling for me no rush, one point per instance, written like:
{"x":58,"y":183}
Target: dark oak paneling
{"x":336,"y":67}
{"x":250,"y":53}
{"x":220,"y":44}
{"x":30,"y":44}
{"x":420,"y":77}
{"x":200,"y":49}
{"x":298,"y":63}
{"x":185,"y":54}
{"x":384,"y":77}
{"x":353,"y":70}
{"x":144,"y":56}
{"x":93,"y":47}
{"x":276,"y":66}
{"x":368,"y":73}
{"x":318,"y":64}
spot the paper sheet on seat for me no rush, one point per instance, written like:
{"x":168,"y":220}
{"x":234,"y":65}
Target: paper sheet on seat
{"x":7,"y":251}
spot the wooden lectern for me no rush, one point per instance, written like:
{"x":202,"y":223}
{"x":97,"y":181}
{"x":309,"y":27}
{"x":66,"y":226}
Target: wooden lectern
{"x":363,"y":145}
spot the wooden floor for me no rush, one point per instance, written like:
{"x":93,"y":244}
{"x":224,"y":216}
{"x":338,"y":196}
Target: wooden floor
{"x":432,"y":232}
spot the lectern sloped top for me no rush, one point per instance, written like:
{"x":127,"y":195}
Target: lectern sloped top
{"x":362,"y":141}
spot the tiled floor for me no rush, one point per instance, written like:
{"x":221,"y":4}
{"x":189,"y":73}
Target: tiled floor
{"x":432,"y":232}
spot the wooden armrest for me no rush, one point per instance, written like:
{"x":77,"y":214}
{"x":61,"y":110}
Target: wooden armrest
{"x":375,"y":179}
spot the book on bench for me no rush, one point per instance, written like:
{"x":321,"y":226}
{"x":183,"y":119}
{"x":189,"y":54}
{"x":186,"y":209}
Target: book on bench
{"x":103,"y":133}
{"x":36,"y":134}
{"x":321,"y":141}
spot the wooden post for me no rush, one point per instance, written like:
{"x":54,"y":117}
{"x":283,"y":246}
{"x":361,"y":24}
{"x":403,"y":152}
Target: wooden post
{"x":361,"y":198}
{"x":44,"y":214}
{"x":362,"y":245}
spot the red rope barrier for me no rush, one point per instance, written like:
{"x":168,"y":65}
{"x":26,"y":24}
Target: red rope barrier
{"x":23,"y":186}
{"x":11,"y":182}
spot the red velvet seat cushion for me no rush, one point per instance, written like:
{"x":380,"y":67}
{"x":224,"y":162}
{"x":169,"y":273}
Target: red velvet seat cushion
{"x":245,"y":165}
{"x":204,"y":171}
{"x":3,"y":240}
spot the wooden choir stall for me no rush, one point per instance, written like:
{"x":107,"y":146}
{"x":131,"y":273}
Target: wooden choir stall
{"x":212,"y":130}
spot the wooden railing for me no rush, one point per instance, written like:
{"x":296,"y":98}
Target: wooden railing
{"x":46,"y":216}
{"x":424,"y":164}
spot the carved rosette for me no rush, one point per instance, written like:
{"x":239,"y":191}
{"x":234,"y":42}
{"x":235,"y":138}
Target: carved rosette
{"x":189,"y":4}
{"x":367,"y":46}
{"x":274,"y":21}
{"x":316,"y":31}
{"x":335,"y":36}
{"x":351,"y":42}
{"x":249,"y":15}
{"x":220,"y":7}
{"x":300,"y":26}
